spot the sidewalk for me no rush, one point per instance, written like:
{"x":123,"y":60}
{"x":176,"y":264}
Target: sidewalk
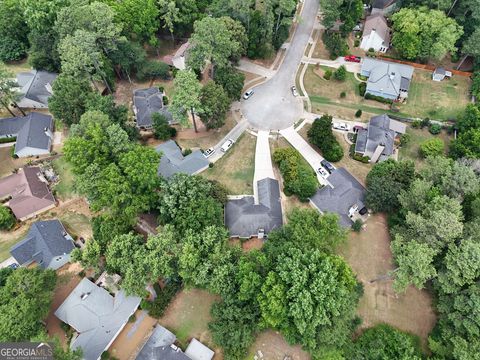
{"x":251,"y":67}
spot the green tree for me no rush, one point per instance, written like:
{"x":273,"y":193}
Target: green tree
{"x":340,"y":74}
{"x":170,"y":15}
{"x":161,"y":129}
{"x":89,"y":256}
{"x":186,"y":97}
{"x":231,"y":80}
{"x":470,"y":118}
{"x":321,"y":135}
{"x":7,"y":220}
{"x":331,"y":12}
{"x":466,"y":145}
{"x":43,"y":53}
{"x":432,"y":147}
{"x":8,"y":89}
{"x":25,"y":300}
{"x":13,"y":37}
{"x":215,"y":104}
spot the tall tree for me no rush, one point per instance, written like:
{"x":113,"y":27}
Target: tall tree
{"x":13,"y":34}
{"x":215,"y":104}
{"x":186,"y":97}
{"x":9,"y":93}
{"x":170,"y":15}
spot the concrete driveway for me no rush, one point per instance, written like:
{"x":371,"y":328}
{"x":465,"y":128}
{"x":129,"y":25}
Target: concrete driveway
{"x":263,"y":161}
{"x":273,"y":107}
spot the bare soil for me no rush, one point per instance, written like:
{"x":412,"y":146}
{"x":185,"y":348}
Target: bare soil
{"x":251,"y":244}
{"x":274,"y":347}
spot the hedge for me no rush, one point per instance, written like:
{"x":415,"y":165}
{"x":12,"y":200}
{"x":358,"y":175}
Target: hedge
{"x":369,"y":96}
{"x":362,"y":87}
{"x":8,"y":139}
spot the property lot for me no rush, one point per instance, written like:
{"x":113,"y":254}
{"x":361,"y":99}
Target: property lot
{"x":273,"y":346}
{"x":369,"y":255}
{"x":236,"y":168}
{"x":411,"y":151}
{"x":64,"y":188}
{"x":7,"y":163}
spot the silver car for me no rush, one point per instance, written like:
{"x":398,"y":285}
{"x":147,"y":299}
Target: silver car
{"x":248,"y":94}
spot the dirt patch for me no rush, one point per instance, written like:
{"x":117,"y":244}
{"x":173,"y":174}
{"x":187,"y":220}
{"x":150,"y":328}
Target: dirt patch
{"x":133,"y":336}
{"x":273,"y":346}
{"x":188,"y":316}
{"x":320,"y":51}
{"x":7,"y":163}
{"x":67,"y":280}
{"x":369,"y":255}
{"x":251,"y":244}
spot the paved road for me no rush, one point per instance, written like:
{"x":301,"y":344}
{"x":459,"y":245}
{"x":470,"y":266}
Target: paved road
{"x":234,"y":134}
{"x":273,"y":107}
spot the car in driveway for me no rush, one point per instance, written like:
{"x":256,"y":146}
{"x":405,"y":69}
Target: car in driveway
{"x":329,"y":167}
{"x":322,"y":172}
{"x":209,"y":152}
{"x":353,"y":58}
{"x":227,"y":145}
{"x":341,"y":126}
{"x":294,"y":90}
{"x":248,"y":94}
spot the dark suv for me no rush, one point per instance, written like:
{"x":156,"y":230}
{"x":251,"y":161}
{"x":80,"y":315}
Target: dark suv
{"x":327,"y":166}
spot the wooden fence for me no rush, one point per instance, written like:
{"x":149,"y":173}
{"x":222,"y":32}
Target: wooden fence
{"x":424,"y":66}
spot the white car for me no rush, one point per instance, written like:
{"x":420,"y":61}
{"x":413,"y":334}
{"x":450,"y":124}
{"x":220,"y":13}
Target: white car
{"x":248,"y":94}
{"x":294,"y":90}
{"x":323,"y":173}
{"x":227,"y":145}
{"x":209,"y":152}
{"x":341,"y":126}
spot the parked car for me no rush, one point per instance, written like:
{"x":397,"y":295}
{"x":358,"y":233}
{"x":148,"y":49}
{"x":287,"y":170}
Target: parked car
{"x":329,"y":167}
{"x":248,"y":94}
{"x":341,"y":126}
{"x":227,"y":145}
{"x":323,"y":173}
{"x":14,"y":266}
{"x":209,"y":152}
{"x":353,"y":58}
{"x":294,"y":90}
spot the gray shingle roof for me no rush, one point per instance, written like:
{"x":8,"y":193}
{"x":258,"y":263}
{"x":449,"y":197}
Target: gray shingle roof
{"x":147,"y":102}
{"x":36,"y":85}
{"x":197,"y":351}
{"x":386,"y":77}
{"x":382,"y":4}
{"x":173,"y":162}
{"x":345,"y":192}
{"x":45,"y":241}
{"x":96,"y":315}
{"x":243,"y":217}
{"x":159,"y":338}
{"x":377,"y":23}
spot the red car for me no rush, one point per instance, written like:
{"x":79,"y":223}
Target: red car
{"x":353,"y":58}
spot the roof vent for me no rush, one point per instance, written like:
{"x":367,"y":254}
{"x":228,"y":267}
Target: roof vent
{"x":84,"y":295}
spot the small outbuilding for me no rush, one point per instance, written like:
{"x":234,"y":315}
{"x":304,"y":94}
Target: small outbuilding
{"x":440,"y":74}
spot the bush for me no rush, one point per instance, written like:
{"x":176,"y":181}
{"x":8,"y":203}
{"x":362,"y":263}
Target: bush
{"x":153,"y":69}
{"x":335,"y":44}
{"x":161,"y":89}
{"x":165,"y":100}
{"x":357,"y":225}
{"x":378,"y":98}
{"x":358,"y":113}
{"x":161,"y":129}
{"x":425,"y":123}
{"x":7,"y":220}
{"x":362,"y":87}
{"x":340,"y":74}
{"x":405,"y":139}
{"x":416,"y":124}
{"x":356,"y":43}
{"x":186,"y":152}
{"x":157,"y":308}
{"x":432,"y":147}
{"x":328,"y":74}
{"x":435,"y":129}
{"x":321,"y":135}
{"x":343,"y":94}
{"x":363,"y":159}
{"x":8,"y":139}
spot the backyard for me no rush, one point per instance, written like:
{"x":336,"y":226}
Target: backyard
{"x":64,"y":188}
{"x":235,"y":169}
{"x":411,"y":151}
{"x":8,"y":163}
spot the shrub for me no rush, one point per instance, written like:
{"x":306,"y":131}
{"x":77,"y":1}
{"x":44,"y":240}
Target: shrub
{"x":153,"y":69}
{"x":7,"y":220}
{"x":405,"y":139}
{"x":416,"y":124}
{"x":425,"y":123}
{"x":432,"y":147}
{"x":8,"y":139}
{"x":358,"y":113}
{"x":356,"y":43}
{"x":186,"y":152}
{"x":363,"y":159}
{"x":164,"y":296}
{"x":362,"y":87}
{"x":132,"y":318}
{"x":435,"y":129}
{"x":343,"y":94}
{"x":340,"y":74}
{"x":357,"y":225}
{"x":328,"y":74}
{"x":321,"y":135}
{"x":165,"y":100}
{"x":378,"y":98}
{"x":335,"y":44}
{"x":161,"y":129}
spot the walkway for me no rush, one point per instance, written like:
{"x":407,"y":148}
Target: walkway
{"x":248,"y":66}
{"x":263,"y":161}
{"x":304,"y":148}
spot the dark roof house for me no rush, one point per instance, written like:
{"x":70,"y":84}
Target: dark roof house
{"x":96,"y":316}
{"x":377,"y":141}
{"x":383,"y":6}
{"x":173,"y":162}
{"x":344,"y":193}
{"x":47,"y":244}
{"x":244,"y":218}
{"x":387,"y":79}
{"x":36,"y":87}
{"x":27,"y":193}
{"x":147,"y":102}
{"x":34,"y":133}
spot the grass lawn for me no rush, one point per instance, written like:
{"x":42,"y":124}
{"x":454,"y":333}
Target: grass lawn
{"x":76,"y":224}
{"x":235,"y":169}
{"x":64,"y":189}
{"x":8,"y":239}
{"x":7,"y":163}
{"x":411,"y":151}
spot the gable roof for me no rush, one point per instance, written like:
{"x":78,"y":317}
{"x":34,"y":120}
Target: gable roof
{"x":96,"y":315}
{"x":36,"y":86}
{"x":197,"y":351}
{"x":29,"y":193}
{"x":159,"y":338}
{"x":147,"y":102}
{"x":344,"y":192}
{"x":173,"y":161}
{"x":378,"y":24}
{"x":386,"y":77}
{"x":45,"y":241}
{"x":244,"y":218}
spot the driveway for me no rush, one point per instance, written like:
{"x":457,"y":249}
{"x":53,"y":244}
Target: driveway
{"x":273,"y":107}
{"x":233,"y":134}
{"x":263,"y":160}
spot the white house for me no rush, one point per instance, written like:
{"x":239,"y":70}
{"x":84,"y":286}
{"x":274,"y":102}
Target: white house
{"x":376,"y":34}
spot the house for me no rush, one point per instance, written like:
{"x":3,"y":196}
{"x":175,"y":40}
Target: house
{"x":160,"y":346}
{"x":384,"y":7}
{"x":376,"y":34}
{"x":146,"y":102}
{"x":377,"y":141}
{"x":173,"y":162}
{"x":245,"y":218}
{"x":27,"y":193}
{"x":36,"y":88}
{"x":440,"y":74}
{"x":34,"y":133}
{"x":344,"y":196}
{"x":96,"y":316}
{"x":178,"y":60}
{"x":47,"y":244}
{"x":387,"y":79}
